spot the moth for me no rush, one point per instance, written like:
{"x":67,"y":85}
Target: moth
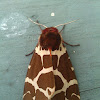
{"x":50,"y":74}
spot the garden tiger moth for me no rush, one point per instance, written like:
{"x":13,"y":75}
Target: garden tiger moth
{"x":50,"y":75}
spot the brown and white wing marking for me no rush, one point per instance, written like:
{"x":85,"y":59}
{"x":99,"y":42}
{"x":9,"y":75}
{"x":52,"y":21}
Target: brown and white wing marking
{"x":65,"y":79}
{"x":51,"y":77}
{"x":39,"y":82}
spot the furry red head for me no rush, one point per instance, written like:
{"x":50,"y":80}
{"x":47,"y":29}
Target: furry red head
{"x":50,"y":38}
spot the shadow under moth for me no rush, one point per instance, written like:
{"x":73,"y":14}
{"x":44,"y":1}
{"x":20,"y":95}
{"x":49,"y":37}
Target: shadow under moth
{"x":50,"y":75}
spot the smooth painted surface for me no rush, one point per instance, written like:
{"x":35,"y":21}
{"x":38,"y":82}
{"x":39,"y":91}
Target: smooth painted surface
{"x":18,"y":36}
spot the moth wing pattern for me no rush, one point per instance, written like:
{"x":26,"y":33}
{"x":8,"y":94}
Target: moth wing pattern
{"x":51,"y":77}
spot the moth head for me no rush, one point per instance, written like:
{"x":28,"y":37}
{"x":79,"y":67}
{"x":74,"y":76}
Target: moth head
{"x":50,"y":38}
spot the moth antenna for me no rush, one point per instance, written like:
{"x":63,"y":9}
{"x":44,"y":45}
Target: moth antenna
{"x":66,"y":23}
{"x":29,"y":54}
{"x":37,"y":23}
{"x":70,"y":44}
{"x":62,"y":29}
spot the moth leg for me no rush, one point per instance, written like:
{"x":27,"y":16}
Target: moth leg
{"x":62,"y":29}
{"x":39,"y":25}
{"x":29,"y":54}
{"x":71,"y":44}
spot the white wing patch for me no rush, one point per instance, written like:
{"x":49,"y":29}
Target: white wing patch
{"x":47,"y":52}
{"x":76,"y":95}
{"x":26,"y":93}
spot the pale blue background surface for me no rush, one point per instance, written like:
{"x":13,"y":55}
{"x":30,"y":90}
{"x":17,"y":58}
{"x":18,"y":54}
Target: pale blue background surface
{"x":18,"y":36}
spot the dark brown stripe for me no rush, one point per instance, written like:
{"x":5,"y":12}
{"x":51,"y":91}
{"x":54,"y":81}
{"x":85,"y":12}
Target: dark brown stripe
{"x":72,"y":89}
{"x":46,"y":80}
{"x":59,"y":96}
{"x":36,"y":66}
{"x":29,"y":87}
{"x":31,"y":94}
{"x":58,"y":83}
{"x":47,"y":61}
{"x":49,"y":92}
{"x":28,"y":97}
{"x":54,"y":61}
{"x":40,"y":96}
{"x":74,"y":98}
